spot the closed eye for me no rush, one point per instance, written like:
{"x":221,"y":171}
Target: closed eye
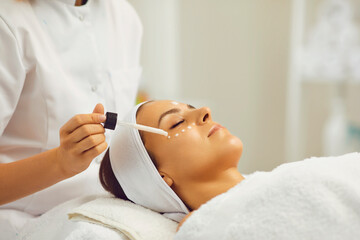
{"x":177,"y":124}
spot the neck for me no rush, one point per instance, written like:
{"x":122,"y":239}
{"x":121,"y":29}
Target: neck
{"x":79,"y":2}
{"x":197,"y":193}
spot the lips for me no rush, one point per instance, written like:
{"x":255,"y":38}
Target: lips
{"x":214,"y":128}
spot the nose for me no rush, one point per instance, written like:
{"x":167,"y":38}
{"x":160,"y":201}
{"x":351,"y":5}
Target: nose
{"x":204,"y":115}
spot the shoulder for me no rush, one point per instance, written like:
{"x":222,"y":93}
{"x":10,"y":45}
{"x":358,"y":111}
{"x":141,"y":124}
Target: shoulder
{"x":183,"y":220}
{"x":10,"y":4}
{"x":15,"y":8}
{"x":15,"y":13}
{"x":122,"y":5}
{"x":124,"y":10}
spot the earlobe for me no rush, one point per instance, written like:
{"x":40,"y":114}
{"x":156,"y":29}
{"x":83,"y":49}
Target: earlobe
{"x":169,"y":181}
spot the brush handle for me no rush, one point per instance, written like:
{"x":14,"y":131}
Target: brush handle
{"x":144,"y":128}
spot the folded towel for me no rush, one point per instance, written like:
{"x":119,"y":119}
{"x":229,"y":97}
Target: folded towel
{"x":111,"y":216}
{"x":318,"y":198}
{"x":132,"y":220}
{"x":54,"y":224}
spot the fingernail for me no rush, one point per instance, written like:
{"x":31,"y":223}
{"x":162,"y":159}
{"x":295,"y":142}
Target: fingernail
{"x":102,"y":118}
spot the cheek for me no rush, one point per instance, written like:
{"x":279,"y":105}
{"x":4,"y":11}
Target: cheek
{"x":185,"y":144}
{"x":184,"y":150}
{"x":184,"y":131}
{"x":190,"y":155}
{"x":190,"y":158}
{"x":229,"y":151}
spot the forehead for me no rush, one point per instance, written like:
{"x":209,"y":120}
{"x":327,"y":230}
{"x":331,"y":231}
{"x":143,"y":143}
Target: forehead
{"x":150,"y":113}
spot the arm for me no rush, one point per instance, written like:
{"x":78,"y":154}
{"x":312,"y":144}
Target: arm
{"x":24,"y":177}
{"x":81,"y":139}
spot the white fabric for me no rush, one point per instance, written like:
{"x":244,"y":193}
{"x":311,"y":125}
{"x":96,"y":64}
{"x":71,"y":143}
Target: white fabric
{"x":132,"y":220}
{"x":137,"y":174}
{"x":11,"y":222}
{"x":318,"y":198}
{"x":58,"y":60}
{"x":72,"y":2}
{"x":55,"y":225}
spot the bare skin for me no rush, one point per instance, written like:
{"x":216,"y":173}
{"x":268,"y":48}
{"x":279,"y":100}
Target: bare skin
{"x":78,"y":2}
{"x":81,"y":140}
{"x":197,"y":162}
{"x":183,"y":220}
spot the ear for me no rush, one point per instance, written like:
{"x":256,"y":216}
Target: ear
{"x":169,"y":181}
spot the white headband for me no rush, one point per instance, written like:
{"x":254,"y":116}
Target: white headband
{"x":138,"y":176}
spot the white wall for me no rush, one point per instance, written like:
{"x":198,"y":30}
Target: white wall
{"x":230,"y":55}
{"x":160,"y":47}
{"x":234,"y":57}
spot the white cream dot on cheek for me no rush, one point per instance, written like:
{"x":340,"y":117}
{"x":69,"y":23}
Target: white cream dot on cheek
{"x":189,"y":127}
{"x":168,"y":137}
{"x":183,"y":130}
{"x":176,"y":135}
{"x":193,"y":124}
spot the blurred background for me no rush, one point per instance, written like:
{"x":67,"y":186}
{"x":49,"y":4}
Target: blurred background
{"x":283,"y":75}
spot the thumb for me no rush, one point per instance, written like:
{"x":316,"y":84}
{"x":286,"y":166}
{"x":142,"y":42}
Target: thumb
{"x":99,"y":108}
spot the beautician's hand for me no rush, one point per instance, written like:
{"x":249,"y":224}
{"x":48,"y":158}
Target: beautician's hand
{"x":82,"y":138}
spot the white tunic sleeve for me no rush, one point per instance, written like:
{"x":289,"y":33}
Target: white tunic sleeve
{"x":12,"y":74}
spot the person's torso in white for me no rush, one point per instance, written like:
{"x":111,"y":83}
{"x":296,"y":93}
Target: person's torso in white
{"x":58,"y":60}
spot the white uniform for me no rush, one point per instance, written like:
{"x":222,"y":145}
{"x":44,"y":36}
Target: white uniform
{"x":58,"y":60}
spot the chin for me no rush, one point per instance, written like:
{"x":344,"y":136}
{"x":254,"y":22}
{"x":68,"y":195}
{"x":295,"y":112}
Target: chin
{"x":237,"y":145}
{"x":231,"y":150}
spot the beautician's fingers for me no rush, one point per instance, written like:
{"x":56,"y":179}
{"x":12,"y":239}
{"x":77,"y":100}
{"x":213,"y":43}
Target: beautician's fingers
{"x":85,"y":131}
{"x":99,"y":108}
{"x":80,"y":120}
{"x":74,"y":158}
{"x":95,"y":151}
{"x":89,"y":142}
{"x":82,"y":138}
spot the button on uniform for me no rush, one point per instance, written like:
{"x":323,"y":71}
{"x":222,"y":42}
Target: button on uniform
{"x":93,"y":88}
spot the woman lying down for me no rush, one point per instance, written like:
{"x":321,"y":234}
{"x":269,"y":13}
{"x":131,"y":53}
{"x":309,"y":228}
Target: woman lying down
{"x":191,"y":176}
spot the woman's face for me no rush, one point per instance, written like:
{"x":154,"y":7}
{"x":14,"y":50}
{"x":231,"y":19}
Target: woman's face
{"x":197,"y":148}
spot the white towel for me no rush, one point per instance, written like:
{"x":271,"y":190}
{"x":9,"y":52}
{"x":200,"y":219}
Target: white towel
{"x":318,"y":198}
{"x":134,"y":221}
{"x":55,"y":225}
{"x":112,"y":217}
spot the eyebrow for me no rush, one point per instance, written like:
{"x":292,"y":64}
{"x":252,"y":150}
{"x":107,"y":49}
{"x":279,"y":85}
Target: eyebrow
{"x":171,"y":111}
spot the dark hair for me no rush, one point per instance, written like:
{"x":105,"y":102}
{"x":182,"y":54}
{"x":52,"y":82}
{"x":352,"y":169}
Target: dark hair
{"x":108,"y":179}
